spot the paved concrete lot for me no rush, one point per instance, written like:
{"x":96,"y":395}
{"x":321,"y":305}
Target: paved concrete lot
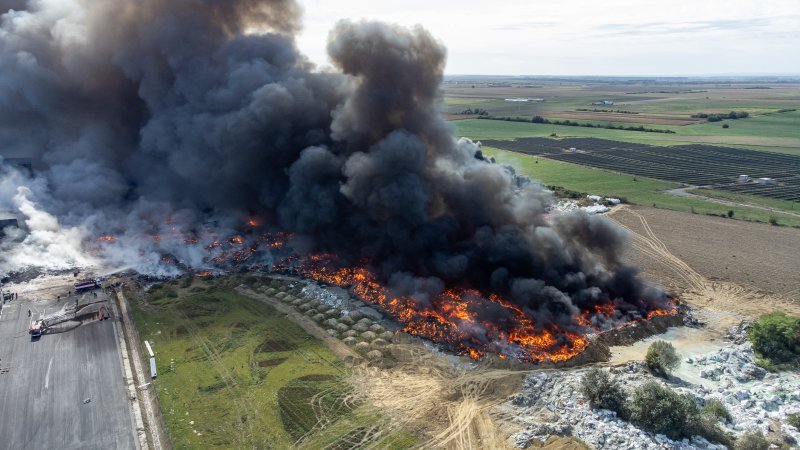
{"x":44,"y":383}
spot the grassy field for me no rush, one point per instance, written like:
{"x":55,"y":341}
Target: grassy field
{"x":642,"y":191}
{"x":235,"y":373}
{"x":478,"y":129}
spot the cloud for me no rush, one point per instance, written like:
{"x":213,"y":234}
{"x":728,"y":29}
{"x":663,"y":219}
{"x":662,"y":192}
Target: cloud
{"x":755,"y":24}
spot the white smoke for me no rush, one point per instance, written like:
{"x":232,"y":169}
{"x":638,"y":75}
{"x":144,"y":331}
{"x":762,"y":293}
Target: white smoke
{"x":45,"y":242}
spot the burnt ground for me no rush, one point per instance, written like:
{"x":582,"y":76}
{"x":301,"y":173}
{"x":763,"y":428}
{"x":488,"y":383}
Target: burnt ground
{"x":45,"y":383}
{"x":760,"y":256}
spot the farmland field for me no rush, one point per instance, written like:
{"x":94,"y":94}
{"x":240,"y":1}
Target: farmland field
{"x":639,"y":191}
{"x":689,"y":164}
{"x":236,"y":373}
{"x":773,"y":125}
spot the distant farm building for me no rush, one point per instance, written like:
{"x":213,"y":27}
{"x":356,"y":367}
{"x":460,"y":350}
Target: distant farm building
{"x":603,"y":103}
{"x":766,"y":181}
{"x":524,"y":100}
{"x":744,"y":178}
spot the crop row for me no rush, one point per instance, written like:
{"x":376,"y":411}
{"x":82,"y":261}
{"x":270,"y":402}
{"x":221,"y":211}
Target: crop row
{"x":702,"y":165}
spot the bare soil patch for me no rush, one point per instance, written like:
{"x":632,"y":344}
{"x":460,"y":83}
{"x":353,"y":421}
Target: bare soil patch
{"x":628,"y":118}
{"x":725,"y":266}
{"x":762,"y":256}
{"x":271,"y":362}
{"x":271,"y":345}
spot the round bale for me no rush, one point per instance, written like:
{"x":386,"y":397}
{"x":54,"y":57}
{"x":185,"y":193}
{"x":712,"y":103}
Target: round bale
{"x":349,"y":340}
{"x":374,"y":354}
{"x":365,"y":321}
{"x":351,"y":333}
{"x":331,"y":323}
{"x":347,"y":319}
{"x":360,"y":327}
{"x":342,"y":327}
{"x":379,"y":343}
{"x":368,"y":335}
{"x":387,"y":335}
{"x":318,"y":318}
{"x":333,"y":333}
{"x":376,"y":328}
{"x":362,"y":347}
{"x":304,"y":307}
{"x":332,"y":312}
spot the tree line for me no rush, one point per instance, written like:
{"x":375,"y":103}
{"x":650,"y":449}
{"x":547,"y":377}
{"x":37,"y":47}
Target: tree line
{"x":569,"y":123}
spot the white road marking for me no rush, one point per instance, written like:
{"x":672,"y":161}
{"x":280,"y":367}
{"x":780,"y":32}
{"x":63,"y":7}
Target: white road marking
{"x":47,"y":375}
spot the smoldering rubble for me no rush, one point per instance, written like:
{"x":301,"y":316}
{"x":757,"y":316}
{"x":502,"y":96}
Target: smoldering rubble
{"x":171,"y":118}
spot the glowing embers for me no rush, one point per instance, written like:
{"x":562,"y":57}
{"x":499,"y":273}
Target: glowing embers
{"x":469,"y":323}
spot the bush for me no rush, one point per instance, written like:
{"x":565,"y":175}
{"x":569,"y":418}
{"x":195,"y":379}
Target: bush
{"x":661,"y":358}
{"x":752,"y":441}
{"x":773,"y":221}
{"x":661,"y":410}
{"x":604,"y":392}
{"x":776,"y":339}
{"x":717,"y":410}
{"x":793,"y":420}
{"x":730,"y":213}
{"x":725,"y":125}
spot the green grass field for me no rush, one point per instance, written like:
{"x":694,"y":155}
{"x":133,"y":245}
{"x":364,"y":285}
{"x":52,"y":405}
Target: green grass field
{"x":784,"y":142}
{"x":643,"y":191}
{"x":235,"y":373}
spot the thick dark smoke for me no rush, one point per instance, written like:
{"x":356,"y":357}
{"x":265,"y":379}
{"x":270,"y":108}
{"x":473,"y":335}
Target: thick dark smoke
{"x":158,"y":115}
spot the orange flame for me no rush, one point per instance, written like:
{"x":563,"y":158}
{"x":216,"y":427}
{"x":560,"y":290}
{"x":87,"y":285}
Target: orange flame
{"x":452,"y":317}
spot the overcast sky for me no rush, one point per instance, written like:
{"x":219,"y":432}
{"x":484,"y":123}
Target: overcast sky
{"x":586,"y":37}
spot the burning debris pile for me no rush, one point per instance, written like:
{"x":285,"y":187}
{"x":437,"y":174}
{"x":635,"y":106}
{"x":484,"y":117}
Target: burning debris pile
{"x":167,"y":128}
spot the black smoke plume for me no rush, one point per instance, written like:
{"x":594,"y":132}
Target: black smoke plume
{"x":157,"y":115}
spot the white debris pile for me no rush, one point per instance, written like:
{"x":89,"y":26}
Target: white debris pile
{"x":551,"y":403}
{"x":597,"y":206}
{"x":325,"y":296}
{"x":756,"y":399}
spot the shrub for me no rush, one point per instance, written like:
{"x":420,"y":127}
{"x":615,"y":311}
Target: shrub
{"x":717,"y":410}
{"x":793,"y":420}
{"x":661,"y":410}
{"x":776,"y":339}
{"x":752,"y":441}
{"x":773,"y":221}
{"x":603,"y":392}
{"x":661,"y":358}
{"x":725,"y":125}
{"x":730,"y":213}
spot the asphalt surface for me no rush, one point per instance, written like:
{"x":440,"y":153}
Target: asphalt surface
{"x":45,"y":385}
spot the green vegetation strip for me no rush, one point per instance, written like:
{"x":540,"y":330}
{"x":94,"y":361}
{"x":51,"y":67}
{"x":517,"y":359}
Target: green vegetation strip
{"x":235,"y":373}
